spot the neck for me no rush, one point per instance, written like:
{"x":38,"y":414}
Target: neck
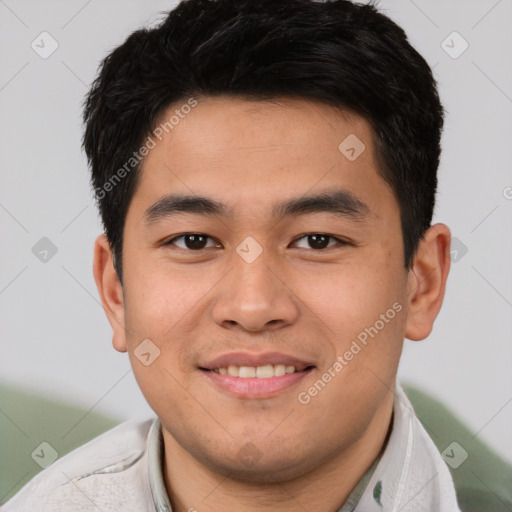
{"x":192,"y":486}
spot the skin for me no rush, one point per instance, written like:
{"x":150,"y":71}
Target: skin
{"x":294,"y":298}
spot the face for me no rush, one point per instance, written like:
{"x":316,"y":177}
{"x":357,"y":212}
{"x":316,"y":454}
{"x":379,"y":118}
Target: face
{"x":240,"y":282}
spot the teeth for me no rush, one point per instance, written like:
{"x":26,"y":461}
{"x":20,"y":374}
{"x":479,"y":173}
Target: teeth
{"x":265,"y":372}
{"x":260,"y":372}
{"x":247,"y":371}
{"x":280,"y":369}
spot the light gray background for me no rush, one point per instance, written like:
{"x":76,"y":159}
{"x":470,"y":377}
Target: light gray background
{"x":54,"y":334}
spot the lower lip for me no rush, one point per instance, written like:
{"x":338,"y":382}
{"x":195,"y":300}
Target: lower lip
{"x":253,"y":387}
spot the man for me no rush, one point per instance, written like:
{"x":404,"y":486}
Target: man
{"x":266,"y":176}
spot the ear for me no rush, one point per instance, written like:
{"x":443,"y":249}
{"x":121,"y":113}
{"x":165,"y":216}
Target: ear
{"x":110,"y":290}
{"x":427,"y":281}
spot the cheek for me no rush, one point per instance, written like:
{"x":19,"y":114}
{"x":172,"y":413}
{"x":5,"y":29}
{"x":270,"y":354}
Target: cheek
{"x":167,"y":307}
{"x":160,"y":298}
{"x":160,"y":307}
{"x":351,"y":295}
{"x":364,"y":307}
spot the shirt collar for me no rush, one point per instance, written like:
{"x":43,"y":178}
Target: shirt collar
{"x":386,"y":476}
{"x":155,"y":466}
{"x":411,"y":474}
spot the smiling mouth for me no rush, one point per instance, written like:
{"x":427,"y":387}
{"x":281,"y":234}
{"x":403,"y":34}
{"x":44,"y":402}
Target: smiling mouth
{"x":256,"y":382}
{"x":267,"y":371}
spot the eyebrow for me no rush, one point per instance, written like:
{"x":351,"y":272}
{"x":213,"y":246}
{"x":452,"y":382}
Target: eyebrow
{"x":340,"y":202}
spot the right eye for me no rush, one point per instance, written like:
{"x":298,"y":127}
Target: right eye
{"x":191,"y":241}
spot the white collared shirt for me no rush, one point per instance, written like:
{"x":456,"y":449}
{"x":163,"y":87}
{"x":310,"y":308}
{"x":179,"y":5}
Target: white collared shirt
{"x":121,"y":470}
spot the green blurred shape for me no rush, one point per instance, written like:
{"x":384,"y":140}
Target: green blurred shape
{"x":483,"y":481}
{"x":27,"y":420}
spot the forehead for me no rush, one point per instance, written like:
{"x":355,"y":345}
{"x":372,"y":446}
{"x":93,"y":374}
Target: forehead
{"x":253,"y":152}
{"x":220,"y":124}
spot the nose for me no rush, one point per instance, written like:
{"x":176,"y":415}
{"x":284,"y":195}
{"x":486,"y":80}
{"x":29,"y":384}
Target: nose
{"x":255,"y":296}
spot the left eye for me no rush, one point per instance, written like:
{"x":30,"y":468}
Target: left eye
{"x":197,"y":241}
{"x":319,"y":241}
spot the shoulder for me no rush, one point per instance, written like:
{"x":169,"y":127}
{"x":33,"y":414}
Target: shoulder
{"x":428,"y":478}
{"x":411,"y":475}
{"x":107,"y":473}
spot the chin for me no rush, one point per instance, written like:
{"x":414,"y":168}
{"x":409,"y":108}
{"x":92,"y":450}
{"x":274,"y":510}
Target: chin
{"x":250,"y":465}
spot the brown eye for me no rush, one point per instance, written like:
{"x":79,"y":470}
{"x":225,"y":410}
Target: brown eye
{"x":191,"y":241}
{"x":320,"y":241}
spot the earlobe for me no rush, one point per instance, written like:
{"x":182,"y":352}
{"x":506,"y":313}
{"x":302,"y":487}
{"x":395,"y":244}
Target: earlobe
{"x":110,"y":291}
{"x":427,"y":281}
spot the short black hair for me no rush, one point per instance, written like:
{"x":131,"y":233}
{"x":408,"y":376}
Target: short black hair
{"x":343,"y":54}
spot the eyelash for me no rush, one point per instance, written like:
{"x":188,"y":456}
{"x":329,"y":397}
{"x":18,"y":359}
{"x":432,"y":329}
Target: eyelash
{"x":339,"y":240}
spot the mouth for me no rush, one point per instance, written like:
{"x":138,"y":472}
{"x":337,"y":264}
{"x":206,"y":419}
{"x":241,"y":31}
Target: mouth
{"x":262,"y":376}
{"x":267,"y":371}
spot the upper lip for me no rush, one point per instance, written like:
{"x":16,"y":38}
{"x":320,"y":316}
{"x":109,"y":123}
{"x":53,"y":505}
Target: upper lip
{"x":260,"y":359}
